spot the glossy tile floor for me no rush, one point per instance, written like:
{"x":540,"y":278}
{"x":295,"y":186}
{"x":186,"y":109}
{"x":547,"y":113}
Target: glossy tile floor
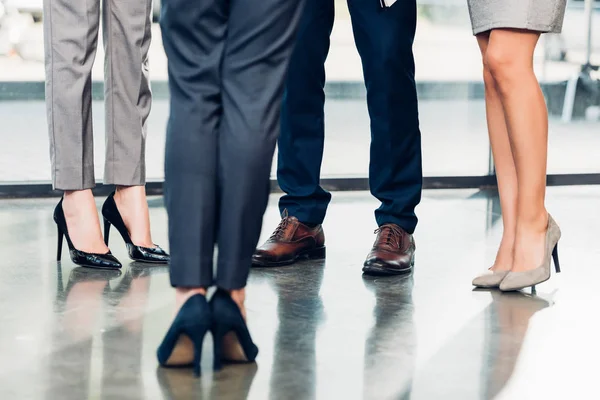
{"x":324,"y":331}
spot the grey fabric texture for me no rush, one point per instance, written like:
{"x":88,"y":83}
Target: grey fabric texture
{"x":70,"y":41}
{"x":534,"y":15}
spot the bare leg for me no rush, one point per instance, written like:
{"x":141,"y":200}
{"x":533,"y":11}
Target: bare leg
{"x":506,"y":173}
{"x":182,"y":294}
{"x":133,"y":206}
{"x":239,"y":297}
{"x":82,"y":221}
{"x":509,"y":57}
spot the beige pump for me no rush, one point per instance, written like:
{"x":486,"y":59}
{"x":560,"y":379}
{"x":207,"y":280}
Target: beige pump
{"x":520,"y":280}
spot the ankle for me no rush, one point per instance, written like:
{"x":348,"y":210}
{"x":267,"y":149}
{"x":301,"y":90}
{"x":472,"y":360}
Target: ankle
{"x":239,"y":297}
{"x":183,"y":294}
{"x":125,"y":193}
{"x":537,"y":222}
{"x":73,"y":199}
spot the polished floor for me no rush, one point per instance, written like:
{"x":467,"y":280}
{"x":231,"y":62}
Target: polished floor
{"x":324,"y":331}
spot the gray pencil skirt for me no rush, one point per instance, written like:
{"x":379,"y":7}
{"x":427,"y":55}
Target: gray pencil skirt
{"x":533,"y":15}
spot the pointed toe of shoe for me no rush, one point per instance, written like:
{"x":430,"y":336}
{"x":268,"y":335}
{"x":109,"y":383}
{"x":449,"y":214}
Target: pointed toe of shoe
{"x":111,"y":262}
{"x":90,"y":260}
{"x":510,"y":284}
{"x":152,"y":255}
{"x":490,"y":279}
{"x":516,"y":281}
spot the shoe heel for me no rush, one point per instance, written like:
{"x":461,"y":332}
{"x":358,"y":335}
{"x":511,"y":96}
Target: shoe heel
{"x":317,"y":254}
{"x":555,"y":258}
{"x":218,"y":348}
{"x":106,"y":230}
{"x":59,"y":244}
{"x":228,"y":318}
{"x":198,"y":353}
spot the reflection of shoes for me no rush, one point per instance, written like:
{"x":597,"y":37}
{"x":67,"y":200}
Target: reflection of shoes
{"x":520,"y":300}
{"x":140,"y":269}
{"x":290,"y":242}
{"x":521,"y":280}
{"x":176,"y":384}
{"x":393,"y":285}
{"x":83,"y":274}
{"x":91,"y":260}
{"x":392,"y":294}
{"x":112,"y":216}
{"x":182,"y":345}
{"x":490,"y":279}
{"x":232,"y":340}
{"x":393,"y":252}
{"x":234,"y":382}
{"x":80,"y":275}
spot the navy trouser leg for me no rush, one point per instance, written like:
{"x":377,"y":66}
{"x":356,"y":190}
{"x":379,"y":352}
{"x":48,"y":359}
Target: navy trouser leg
{"x":194,"y":40}
{"x":303,"y":132}
{"x":384,"y":38}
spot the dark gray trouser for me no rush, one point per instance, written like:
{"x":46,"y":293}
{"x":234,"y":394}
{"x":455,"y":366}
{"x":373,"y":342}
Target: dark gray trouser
{"x":227,"y":65}
{"x":70,"y":41}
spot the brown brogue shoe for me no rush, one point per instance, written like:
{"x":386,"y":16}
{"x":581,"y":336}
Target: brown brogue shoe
{"x":291,"y":241}
{"x":393,"y":252}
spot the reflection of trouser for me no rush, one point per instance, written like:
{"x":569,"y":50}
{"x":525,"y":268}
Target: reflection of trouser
{"x":71,"y":38}
{"x":227,"y":63}
{"x":384,"y":39}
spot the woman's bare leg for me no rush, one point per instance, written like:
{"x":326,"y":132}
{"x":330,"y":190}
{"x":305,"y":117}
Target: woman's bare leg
{"x":509,"y":57}
{"x":83,"y":224}
{"x":506,"y":174}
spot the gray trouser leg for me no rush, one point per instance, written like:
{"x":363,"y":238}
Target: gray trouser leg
{"x":71,"y":37}
{"x":127,"y":33}
{"x":260,"y":41}
{"x":227,"y":62}
{"x":70,"y":40}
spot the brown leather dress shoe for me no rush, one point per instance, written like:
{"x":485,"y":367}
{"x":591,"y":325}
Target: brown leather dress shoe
{"x":393,"y":252}
{"x":291,"y":241}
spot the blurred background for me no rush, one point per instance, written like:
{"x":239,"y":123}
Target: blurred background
{"x":449,"y":80}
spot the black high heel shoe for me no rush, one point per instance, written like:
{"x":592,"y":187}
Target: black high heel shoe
{"x":231,"y":337}
{"x":91,"y":260}
{"x":112,"y":216}
{"x":188,"y":329}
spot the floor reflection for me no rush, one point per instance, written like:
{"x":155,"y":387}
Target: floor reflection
{"x":391,"y":345}
{"x":507,"y":323}
{"x":324,"y":331}
{"x":92,"y":362}
{"x":300,"y":312}
{"x":233,"y":382}
{"x":481,"y":368}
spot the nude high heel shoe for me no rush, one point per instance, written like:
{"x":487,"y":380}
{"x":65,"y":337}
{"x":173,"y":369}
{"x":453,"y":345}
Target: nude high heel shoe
{"x":520,"y":280}
{"x":490,"y":279}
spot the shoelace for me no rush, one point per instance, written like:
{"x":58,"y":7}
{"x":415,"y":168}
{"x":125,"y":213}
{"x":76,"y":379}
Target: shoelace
{"x":279,"y":231}
{"x":393,"y":235}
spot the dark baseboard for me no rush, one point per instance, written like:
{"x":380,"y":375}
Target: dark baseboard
{"x":42,"y":189}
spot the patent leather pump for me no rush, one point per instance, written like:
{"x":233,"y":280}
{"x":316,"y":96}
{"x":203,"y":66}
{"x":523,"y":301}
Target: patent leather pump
{"x":91,"y":260}
{"x":112,"y":216}
{"x":182,"y":345}
{"x":231,"y":337}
